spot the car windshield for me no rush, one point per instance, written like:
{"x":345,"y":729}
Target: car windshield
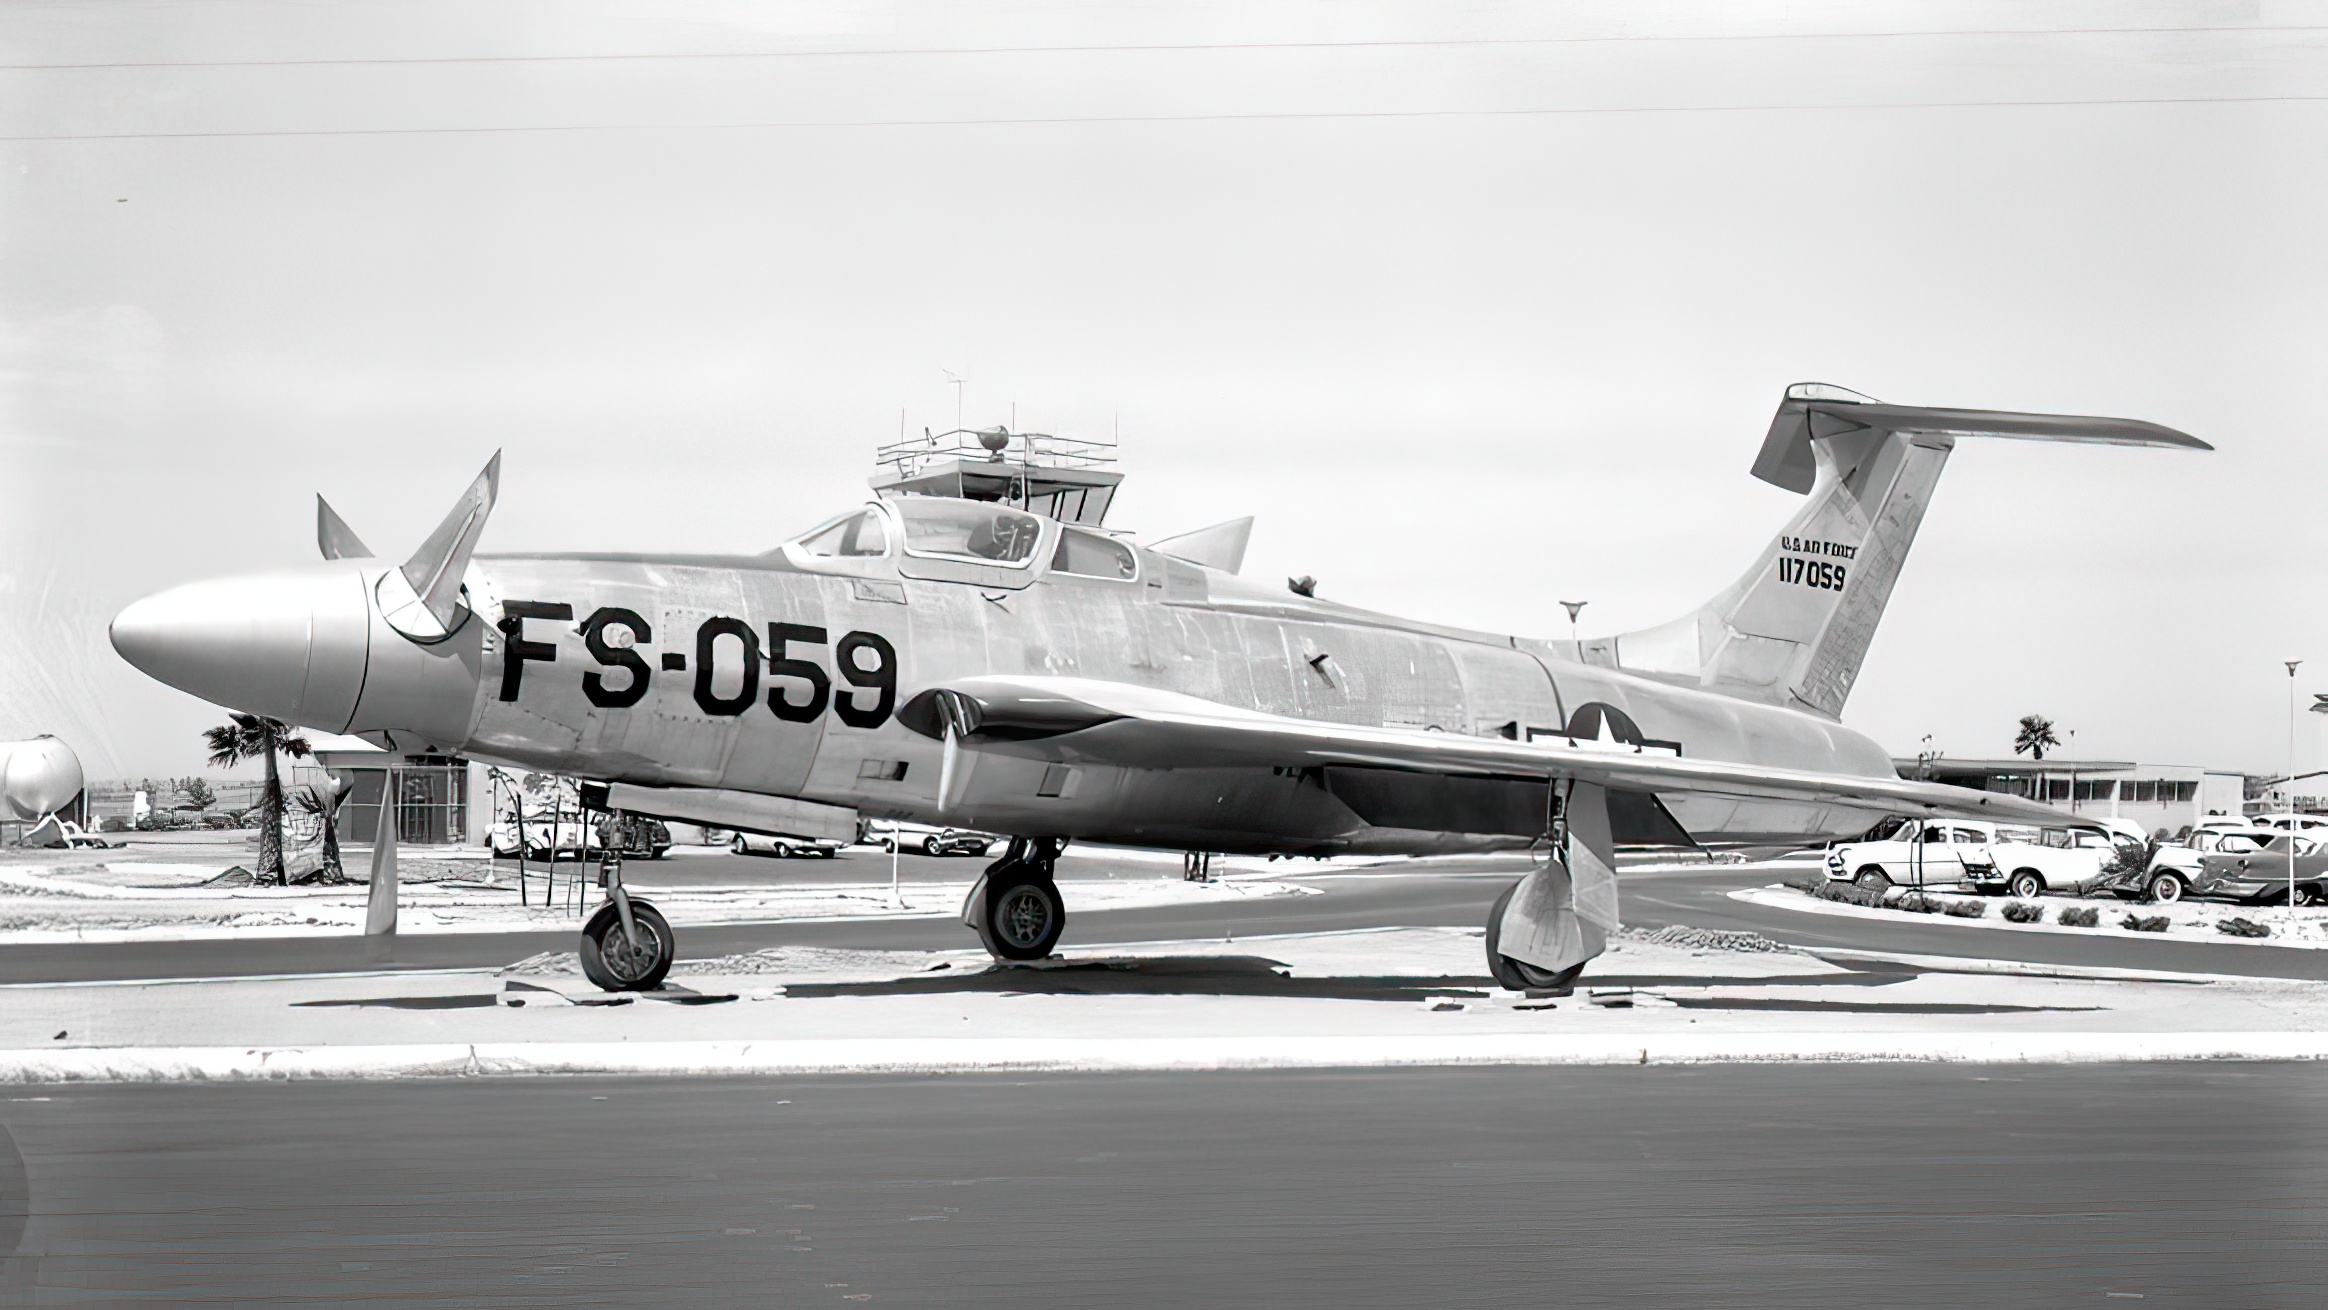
{"x":968,"y":529}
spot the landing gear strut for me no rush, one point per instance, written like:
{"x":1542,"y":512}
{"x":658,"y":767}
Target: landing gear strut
{"x":1547,"y":926}
{"x":627,"y":944}
{"x":1015,"y":906}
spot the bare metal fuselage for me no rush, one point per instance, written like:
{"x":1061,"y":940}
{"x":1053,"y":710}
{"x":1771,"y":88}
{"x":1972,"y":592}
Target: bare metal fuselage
{"x":780,"y":675}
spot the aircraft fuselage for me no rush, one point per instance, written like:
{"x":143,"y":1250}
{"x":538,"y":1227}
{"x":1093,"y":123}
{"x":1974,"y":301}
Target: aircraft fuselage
{"x":781,"y":675}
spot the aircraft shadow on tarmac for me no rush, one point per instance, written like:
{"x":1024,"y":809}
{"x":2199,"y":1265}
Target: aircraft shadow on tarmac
{"x":1252,"y":975}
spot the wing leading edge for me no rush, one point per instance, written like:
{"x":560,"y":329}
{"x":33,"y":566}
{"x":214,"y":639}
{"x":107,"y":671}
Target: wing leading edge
{"x":1089,"y":721}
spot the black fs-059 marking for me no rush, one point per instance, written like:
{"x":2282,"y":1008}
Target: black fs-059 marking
{"x":799,"y":690}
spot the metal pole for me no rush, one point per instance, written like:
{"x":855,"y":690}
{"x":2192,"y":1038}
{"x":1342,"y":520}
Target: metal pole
{"x":896,"y":898}
{"x":2290,"y":788}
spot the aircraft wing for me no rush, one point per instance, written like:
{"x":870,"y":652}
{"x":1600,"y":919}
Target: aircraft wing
{"x":1094,"y":722}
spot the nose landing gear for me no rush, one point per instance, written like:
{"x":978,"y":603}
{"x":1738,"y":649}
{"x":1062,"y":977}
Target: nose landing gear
{"x":1015,"y":906}
{"x":627,"y":945}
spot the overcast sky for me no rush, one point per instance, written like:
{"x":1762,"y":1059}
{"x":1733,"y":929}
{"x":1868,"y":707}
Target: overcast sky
{"x":1477,"y":308}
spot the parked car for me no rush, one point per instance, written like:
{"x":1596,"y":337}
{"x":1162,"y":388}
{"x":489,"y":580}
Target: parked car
{"x":784,"y":846}
{"x":2175,"y":866}
{"x":567,"y":839}
{"x":953,"y":841}
{"x":894,"y":836}
{"x":2261,"y":877}
{"x":1969,"y":853}
{"x":2310,"y":823}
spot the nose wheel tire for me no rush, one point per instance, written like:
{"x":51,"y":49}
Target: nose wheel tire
{"x":1021,"y":919}
{"x":611,"y":961}
{"x":2166,"y":888}
{"x":1519,"y":975}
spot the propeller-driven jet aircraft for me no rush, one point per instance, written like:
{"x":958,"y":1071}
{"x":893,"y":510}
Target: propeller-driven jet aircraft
{"x":972,"y":649}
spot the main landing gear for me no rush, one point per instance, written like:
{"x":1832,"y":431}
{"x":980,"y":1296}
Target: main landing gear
{"x":1547,"y":926}
{"x":627,"y":945}
{"x":1014,"y":907}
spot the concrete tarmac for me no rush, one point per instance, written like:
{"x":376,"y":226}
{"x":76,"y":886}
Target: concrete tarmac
{"x":1449,"y":893}
{"x":1845,"y":1186}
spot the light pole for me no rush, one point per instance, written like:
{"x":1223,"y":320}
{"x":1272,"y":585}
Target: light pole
{"x":2289,"y":789}
{"x":1574,"y":608}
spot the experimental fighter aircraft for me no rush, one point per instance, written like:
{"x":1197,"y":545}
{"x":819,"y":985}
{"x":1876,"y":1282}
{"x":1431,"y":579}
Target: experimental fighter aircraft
{"x":986,"y":659}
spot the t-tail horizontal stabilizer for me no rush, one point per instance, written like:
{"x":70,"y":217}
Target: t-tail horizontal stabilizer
{"x":1794,"y":630}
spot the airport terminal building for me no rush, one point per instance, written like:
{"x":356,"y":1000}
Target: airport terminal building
{"x":2169,"y":796}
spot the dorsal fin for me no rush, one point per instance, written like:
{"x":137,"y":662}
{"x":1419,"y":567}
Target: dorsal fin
{"x":1221,"y":546}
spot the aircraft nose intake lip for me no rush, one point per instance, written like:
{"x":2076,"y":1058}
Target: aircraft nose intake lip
{"x":239,"y":642}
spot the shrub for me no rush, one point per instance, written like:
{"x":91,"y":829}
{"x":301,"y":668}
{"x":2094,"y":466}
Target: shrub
{"x":2079,"y":916}
{"x":2243,"y":928}
{"x":2144,"y":922}
{"x":1848,"y":894}
{"x":1968,"y":909}
{"x":1919,"y":903}
{"x":2024,"y":912}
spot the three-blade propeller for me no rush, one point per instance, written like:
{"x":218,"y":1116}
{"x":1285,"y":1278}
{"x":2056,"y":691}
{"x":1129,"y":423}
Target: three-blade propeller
{"x":422,"y":599}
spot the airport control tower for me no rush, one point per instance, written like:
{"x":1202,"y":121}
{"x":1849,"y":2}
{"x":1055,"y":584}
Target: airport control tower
{"x":1067,"y":478}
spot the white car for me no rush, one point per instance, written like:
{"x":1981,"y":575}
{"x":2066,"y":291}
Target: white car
{"x":2177,"y":865}
{"x":2313,"y":824}
{"x":783,"y":847}
{"x":2025,"y":862}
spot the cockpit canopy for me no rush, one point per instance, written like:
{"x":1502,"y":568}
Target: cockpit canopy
{"x":851,"y":535}
{"x":933,"y":526}
{"x":967,"y":529}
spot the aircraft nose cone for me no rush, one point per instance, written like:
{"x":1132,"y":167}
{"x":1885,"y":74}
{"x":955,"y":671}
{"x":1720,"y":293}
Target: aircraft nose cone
{"x":287,"y":645}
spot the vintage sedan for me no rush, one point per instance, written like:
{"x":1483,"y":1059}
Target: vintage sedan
{"x":2261,"y":877}
{"x":783,"y":846}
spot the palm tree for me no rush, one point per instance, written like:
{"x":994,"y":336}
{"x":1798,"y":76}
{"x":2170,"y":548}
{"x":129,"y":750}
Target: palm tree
{"x":2035,"y":736}
{"x":256,"y":737}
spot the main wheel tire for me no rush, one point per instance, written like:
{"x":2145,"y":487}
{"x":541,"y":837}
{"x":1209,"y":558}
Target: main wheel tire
{"x":1519,"y":975}
{"x":608,"y":958}
{"x":2165,"y":888}
{"x":2027,"y":885}
{"x":737,"y":845}
{"x":1873,"y":879}
{"x":1021,"y":918}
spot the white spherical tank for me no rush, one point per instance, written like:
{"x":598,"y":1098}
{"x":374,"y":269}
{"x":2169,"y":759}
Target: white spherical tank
{"x":37,"y":777}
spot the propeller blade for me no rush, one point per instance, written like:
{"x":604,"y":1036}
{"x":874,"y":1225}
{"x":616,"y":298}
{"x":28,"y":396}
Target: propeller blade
{"x":434,"y":571}
{"x":334,"y":536}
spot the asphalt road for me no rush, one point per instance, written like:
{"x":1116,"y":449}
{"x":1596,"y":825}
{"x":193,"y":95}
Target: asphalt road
{"x":1443,"y":893}
{"x":1850,"y":1186}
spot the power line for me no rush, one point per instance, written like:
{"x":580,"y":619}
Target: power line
{"x":1161,"y":47}
{"x":1134,"y":119}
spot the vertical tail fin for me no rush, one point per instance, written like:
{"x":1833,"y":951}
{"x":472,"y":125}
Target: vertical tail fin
{"x":1794,"y":629}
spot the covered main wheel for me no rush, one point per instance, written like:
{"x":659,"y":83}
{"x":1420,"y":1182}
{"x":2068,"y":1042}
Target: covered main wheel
{"x":1020,"y":918}
{"x":1519,"y":975}
{"x":611,"y":961}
